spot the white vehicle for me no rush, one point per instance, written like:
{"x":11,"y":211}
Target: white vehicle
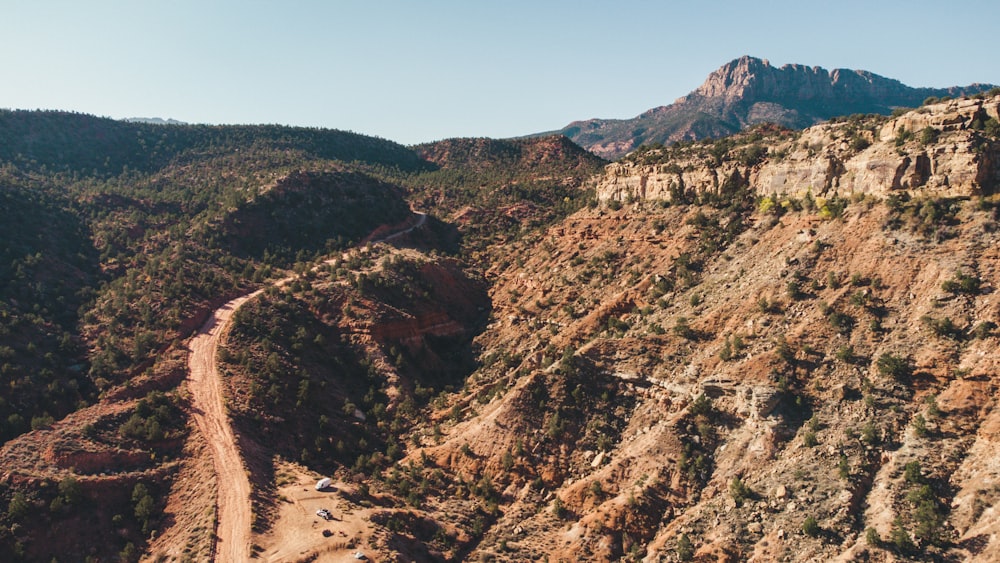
{"x":323,"y":483}
{"x":324,"y":514}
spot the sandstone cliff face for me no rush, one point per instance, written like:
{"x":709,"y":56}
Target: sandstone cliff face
{"x":748,"y":91}
{"x":953,"y":158}
{"x":753,"y":79}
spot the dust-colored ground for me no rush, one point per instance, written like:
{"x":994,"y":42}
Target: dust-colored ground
{"x":209,"y":413}
{"x":298,"y":534}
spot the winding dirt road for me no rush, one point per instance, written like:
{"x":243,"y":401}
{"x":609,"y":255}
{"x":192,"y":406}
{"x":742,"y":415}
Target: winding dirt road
{"x":233,"y":509}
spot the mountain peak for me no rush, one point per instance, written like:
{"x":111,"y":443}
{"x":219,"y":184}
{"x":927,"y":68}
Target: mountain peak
{"x":153,"y":121}
{"x":733,"y":77}
{"x":749,"y":90}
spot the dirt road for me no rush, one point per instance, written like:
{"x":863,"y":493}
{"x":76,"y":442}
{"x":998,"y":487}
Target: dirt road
{"x":233,"y":508}
{"x":421,"y":219}
{"x":233,"y":502}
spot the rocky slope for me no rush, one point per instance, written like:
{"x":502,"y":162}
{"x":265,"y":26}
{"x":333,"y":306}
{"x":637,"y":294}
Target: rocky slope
{"x":748,"y":91}
{"x":663,"y":378}
{"x":809,"y":380}
{"x":941,"y":149}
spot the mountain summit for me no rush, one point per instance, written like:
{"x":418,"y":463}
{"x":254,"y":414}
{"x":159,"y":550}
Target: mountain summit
{"x":748,"y":91}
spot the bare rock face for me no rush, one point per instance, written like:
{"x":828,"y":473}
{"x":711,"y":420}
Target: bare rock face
{"x":749,"y":91}
{"x":935,"y":150}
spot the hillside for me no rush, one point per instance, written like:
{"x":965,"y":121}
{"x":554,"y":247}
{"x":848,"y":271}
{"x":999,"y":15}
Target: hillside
{"x":778,"y":345}
{"x":749,"y":91}
{"x":494,"y":190}
{"x":94,"y":146}
{"x":122,"y":237}
{"x":732,"y":376}
{"x":711,"y":375}
{"x":116,"y":249}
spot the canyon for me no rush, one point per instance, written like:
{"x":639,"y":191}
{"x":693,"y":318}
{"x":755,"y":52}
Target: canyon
{"x":775,"y":345}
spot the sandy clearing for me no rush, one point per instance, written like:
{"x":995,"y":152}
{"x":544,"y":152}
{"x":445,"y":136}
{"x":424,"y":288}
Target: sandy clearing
{"x":298,"y":534}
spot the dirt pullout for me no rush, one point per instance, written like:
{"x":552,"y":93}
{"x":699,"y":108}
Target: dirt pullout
{"x":298,"y":534}
{"x":209,"y":413}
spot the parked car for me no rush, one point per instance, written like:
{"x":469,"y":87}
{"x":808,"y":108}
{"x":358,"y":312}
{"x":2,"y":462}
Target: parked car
{"x":324,"y":514}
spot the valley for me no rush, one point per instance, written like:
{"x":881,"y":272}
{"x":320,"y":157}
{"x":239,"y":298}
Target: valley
{"x":776,"y":345}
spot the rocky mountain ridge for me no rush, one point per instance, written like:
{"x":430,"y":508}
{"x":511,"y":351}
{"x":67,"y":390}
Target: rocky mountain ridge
{"x":748,"y":91}
{"x":939,"y":150}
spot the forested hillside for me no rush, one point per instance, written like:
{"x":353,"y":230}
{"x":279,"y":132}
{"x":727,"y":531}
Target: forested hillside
{"x":120,"y":237}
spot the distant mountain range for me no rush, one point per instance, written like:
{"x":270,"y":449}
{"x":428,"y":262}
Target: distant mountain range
{"x":154,"y":120}
{"x":748,"y":91}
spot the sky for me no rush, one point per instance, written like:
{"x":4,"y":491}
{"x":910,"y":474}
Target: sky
{"x":417,"y":71}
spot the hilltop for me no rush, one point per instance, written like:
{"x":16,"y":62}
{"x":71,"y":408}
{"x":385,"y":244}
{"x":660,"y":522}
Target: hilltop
{"x":748,"y":91}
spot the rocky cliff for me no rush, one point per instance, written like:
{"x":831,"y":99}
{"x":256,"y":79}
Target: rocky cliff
{"x":749,"y":91}
{"x":942,"y":149}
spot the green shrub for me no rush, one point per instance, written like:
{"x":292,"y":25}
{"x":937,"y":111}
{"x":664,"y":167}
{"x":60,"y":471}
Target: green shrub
{"x":992,"y":128}
{"x":784,"y":350}
{"x":890,"y":365}
{"x":843,"y":467}
{"x":933,"y":411}
{"x":841,"y":322}
{"x":558,"y":508}
{"x":701,"y":406}
{"x":900,"y":537}
{"x":929,"y":521}
{"x":685,"y":550}
{"x":846,"y":354}
{"x":984,"y":330}
{"x":929,"y":135}
{"x":765,"y":306}
{"x":920,"y":425}
{"x":683,"y":330}
{"x":872,"y":538}
{"x":811,"y":527}
{"x":912,"y":473}
{"x":869,"y":433}
{"x":794,"y":290}
{"x":596,"y":490}
{"x":962,"y":283}
{"x":726,"y":353}
{"x":739,"y":491}
{"x":18,"y":506}
{"x":943,"y":327}
{"x":809,"y":439}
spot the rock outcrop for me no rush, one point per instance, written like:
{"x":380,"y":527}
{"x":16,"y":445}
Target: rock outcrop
{"x":938,"y":149}
{"x":749,"y":91}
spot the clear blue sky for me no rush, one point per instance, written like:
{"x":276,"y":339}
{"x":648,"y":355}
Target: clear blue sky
{"x":415,"y":71}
